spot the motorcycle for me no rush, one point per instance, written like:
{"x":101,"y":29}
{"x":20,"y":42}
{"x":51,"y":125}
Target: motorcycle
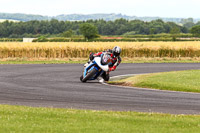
{"x":96,"y":67}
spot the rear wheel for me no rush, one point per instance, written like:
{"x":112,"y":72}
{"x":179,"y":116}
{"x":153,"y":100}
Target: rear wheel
{"x":105,"y":76}
{"x":89,"y":75}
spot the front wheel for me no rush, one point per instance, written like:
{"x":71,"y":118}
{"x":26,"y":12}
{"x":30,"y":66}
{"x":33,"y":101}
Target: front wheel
{"x":81,"y":78}
{"x":89,"y":75}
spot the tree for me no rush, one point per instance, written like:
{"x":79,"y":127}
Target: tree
{"x":174,"y":31}
{"x":68,"y":33}
{"x":188,"y":20}
{"x":89,"y":31}
{"x":152,"y":31}
{"x":195,"y":30}
{"x":188,"y":25}
{"x":198,"y":23}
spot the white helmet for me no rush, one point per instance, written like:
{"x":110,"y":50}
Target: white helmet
{"x":116,"y":51}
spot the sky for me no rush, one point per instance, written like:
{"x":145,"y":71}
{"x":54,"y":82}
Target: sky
{"x":140,"y":8}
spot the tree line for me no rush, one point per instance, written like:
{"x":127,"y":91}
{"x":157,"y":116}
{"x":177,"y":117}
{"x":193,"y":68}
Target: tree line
{"x":117,"y":27}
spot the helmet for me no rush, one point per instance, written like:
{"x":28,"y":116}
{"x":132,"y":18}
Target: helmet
{"x":116,"y":51}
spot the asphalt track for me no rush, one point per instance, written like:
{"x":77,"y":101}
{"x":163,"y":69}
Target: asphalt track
{"x":58,"y":85}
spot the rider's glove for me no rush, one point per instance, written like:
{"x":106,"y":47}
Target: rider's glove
{"x":91,"y":56}
{"x":112,"y":68}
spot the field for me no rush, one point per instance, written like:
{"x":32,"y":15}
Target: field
{"x":82,"y":49}
{"x":27,"y":119}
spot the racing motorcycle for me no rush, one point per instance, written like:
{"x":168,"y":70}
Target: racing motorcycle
{"x":96,"y":67}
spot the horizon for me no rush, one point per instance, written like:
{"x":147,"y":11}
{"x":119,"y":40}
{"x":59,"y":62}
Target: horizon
{"x":97,"y":14}
{"x":143,"y":8}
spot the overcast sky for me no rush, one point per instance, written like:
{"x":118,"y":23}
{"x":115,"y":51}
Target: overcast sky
{"x":140,"y":8}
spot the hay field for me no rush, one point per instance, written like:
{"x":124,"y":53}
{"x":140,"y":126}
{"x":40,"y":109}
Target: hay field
{"x":82,"y":49}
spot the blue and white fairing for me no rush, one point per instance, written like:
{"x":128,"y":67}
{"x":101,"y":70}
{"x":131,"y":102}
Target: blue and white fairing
{"x":95,"y":64}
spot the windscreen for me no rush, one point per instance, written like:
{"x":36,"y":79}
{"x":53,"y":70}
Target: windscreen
{"x":106,"y":59}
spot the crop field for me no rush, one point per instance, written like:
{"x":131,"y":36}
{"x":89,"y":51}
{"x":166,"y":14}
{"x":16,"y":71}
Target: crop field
{"x":82,"y":49}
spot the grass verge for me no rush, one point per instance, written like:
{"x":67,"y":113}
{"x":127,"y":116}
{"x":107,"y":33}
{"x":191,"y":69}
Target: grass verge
{"x":83,"y":60}
{"x":28,"y":119}
{"x":187,"y":81}
{"x":42,"y":60}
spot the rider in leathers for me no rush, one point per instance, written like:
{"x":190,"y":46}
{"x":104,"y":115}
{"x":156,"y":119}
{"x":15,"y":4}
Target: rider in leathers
{"x":116,"y":60}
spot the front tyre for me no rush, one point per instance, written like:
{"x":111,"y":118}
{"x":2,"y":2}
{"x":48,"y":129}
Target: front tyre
{"x":81,"y":78}
{"x":89,"y":75}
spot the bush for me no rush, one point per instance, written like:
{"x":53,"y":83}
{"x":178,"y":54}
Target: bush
{"x":11,"y":39}
{"x":113,"y":40}
{"x":163,"y":35}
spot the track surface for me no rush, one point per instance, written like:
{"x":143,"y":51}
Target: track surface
{"x":59,"y":86}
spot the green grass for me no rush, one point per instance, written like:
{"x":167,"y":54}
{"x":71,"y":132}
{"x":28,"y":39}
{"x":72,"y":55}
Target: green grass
{"x":161,"y":61}
{"x":42,"y":62}
{"x":187,"y":81}
{"x":84,"y":60}
{"x":20,"y":119}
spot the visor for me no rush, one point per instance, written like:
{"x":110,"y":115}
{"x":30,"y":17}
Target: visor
{"x":116,"y":54}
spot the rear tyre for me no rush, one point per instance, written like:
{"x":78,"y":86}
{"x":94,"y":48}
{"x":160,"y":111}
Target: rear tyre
{"x":89,"y":75}
{"x":105,"y":76}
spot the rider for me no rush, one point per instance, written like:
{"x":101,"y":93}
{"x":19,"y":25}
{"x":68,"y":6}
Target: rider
{"x":116,"y":60}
